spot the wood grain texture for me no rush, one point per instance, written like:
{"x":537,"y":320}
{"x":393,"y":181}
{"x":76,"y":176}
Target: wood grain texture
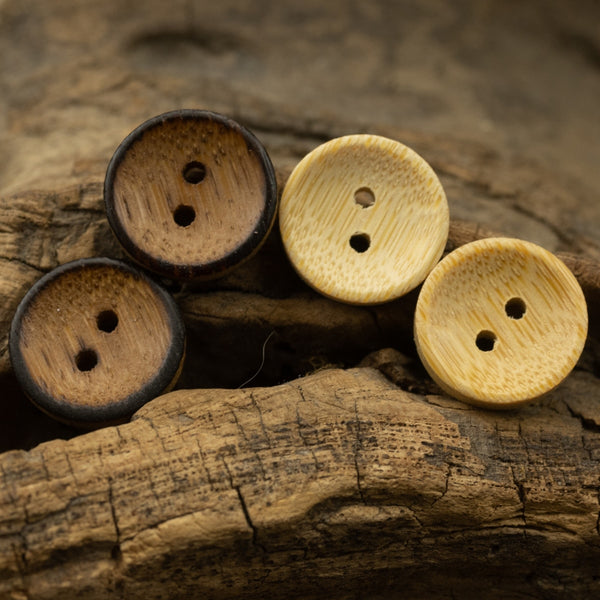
{"x":501,"y":100}
{"x":190,"y":194}
{"x":93,"y":340}
{"x":341,"y":476}
{"x":363,"y":219}
{"x":500,"y":322}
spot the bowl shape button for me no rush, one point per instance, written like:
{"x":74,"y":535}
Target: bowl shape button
{"x":190,"y":194}
{"x":500,"y":322}
{"x":363,"y":219}
{"x":95,"y":339}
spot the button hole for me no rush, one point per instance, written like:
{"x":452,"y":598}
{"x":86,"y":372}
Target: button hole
{"x":184,"y":215}
{"x":107,"y":321}
{"x":515,"y":308}
{"x":86,"y":360}
{"x":360,"y":242}
{"x":194,"y":172}
{"x":486,"y":340}
{"x":364,"y":197}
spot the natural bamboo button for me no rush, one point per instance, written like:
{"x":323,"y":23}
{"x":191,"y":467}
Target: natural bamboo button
{"x":363,"y":219}
{"x":500,"y":322}
{"x":95,"y":339}
{"x":190,"y":194}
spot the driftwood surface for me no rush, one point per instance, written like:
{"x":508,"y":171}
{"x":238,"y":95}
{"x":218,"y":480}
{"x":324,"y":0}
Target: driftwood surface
{"x":343,"y":472}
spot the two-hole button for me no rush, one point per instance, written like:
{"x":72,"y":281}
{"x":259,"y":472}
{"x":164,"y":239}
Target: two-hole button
{"x":500,"y":322}
{"x":190,"y":194}
{"x":515,"y":309}
{"x":95,"y":339}
{"x":363,"y":219}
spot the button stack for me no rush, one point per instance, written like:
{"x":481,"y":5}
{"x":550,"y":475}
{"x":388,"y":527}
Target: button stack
{"x":189,"y":194}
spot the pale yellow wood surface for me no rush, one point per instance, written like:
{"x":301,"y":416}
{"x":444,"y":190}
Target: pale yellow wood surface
{"x":500,"y":322}
{"x":363,"y":219}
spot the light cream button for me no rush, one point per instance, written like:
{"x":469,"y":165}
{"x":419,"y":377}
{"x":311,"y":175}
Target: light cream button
{"x":500,"y":322}
{"x":363,"y":219}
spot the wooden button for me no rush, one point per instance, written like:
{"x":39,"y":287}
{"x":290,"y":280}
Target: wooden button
{"x":500,"y":322}
{"x":95,"y":339}
{"x":363,"y":219}
{"x":190,"y":194}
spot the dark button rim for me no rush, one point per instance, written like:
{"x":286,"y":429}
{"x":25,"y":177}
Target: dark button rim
{"x":89,"y":416}
{"x":222,"y":265}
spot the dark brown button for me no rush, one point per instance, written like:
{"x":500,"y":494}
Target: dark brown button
{"x":94,"y":340}
{"x":190,"y":194}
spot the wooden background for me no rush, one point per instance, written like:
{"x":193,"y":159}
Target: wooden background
{"x":359,"y":480}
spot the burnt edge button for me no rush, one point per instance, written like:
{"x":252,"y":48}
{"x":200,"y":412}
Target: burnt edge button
{"x":196,"y":209}
{"x":106,"y":328}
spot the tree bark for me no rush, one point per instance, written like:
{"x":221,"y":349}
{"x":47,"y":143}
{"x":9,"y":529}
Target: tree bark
{"x":339,"y":470}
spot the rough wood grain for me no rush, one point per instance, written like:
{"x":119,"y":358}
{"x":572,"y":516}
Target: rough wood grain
{"x":501,"y":100}
{"x":335,"y":481}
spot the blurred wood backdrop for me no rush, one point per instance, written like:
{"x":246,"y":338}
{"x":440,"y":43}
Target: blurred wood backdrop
{"x":361,"y":480}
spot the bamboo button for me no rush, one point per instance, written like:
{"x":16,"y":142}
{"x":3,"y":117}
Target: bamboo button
{"x":94,"y":340}
{"x":500,"y":322}
{"x":190,"y":194}
{"x":363,"y":219}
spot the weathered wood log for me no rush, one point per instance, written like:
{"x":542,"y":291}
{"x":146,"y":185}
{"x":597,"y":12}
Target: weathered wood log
{"x":359,"y":483}
{"x":362,"y":481}
{"x":336,"y":482}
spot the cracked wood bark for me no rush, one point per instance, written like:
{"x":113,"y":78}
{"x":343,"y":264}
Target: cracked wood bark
{"x":361,"y":483}
{"x":337,"y":482}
